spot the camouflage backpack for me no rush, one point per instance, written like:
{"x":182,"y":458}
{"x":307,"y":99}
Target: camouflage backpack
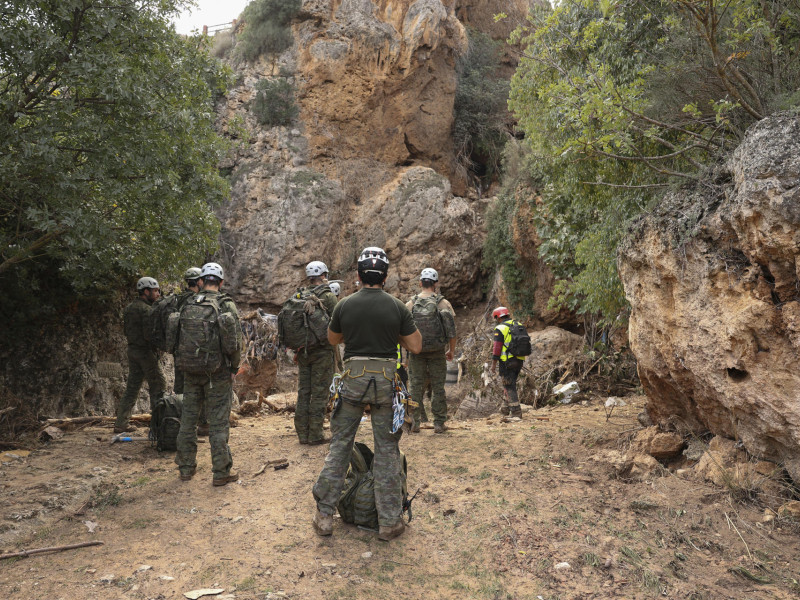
{"x":303,"y":319}
{"x":357,"y":501}
{"x":159,"y":317}
{"x":205,"y":337}
{"x":165,"y":422}
{"x":430,"y":322}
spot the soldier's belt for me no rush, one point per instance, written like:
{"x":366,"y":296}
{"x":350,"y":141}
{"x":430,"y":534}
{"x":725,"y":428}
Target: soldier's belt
{"x":361,"y":366}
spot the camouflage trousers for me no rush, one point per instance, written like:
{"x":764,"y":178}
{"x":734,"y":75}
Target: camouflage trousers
{"x":216,"y":392}
{"x":142,"y":364}
{"x":386,"y":466}
{"x":424,"y":367}
{"x":178,"y":389}
{"x":314,"y":374}
{"x":509,"y":372}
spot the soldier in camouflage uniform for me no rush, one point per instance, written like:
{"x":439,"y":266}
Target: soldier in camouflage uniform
{"x":370,"y":323}
{"x":430,"y":366}
{"x":315,"y":367}
{"x":193,"y":286}
{"x":142,"y":356}
{"x":216,"y":391}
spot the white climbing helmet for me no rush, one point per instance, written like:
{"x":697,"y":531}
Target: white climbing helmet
{"x":147,"y":283}
{"x":316,"y":268}
{"x":429,"y":274}
{"x":335,"y":288}
{"x":212,"y":270}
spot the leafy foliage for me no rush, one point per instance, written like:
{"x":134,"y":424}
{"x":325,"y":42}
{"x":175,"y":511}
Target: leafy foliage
{"x":499,"y":252}
{"x":266,"y":28}
{"x":109,"y":154}
{"x":480,"y":127}
{"x":620,"y":99}
{"x":274,"y":103}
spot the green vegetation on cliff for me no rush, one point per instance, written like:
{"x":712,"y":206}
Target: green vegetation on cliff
{"x":266,"y":28}
{"x":108,"y":168}
{"x":621,"y":99}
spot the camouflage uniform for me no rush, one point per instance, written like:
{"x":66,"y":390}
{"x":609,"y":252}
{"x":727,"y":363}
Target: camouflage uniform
{"x":314,"y":375}
{"x":369,"y":382}
{"x":428,"y":368}
{"x":177,"y":387}
{"x":428,"y":372}
{"x":142,"y":360}
{"x":216,"y":391}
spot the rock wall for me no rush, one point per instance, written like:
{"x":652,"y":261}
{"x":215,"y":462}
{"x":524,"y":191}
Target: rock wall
{"x":368,"y":162}
{"x":712,"y":278}
{"x":77,"y":366}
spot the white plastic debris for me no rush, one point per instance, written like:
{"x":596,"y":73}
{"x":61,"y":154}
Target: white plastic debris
{"x":195,"y":594}
{"x":613,"y":401}
{"x":565,"y":392}
{"x":562,"y":566}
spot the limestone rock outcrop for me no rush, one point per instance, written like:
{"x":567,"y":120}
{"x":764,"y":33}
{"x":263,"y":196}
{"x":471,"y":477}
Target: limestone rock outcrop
{"x":368,"y":162}
{"x":712,"y":279}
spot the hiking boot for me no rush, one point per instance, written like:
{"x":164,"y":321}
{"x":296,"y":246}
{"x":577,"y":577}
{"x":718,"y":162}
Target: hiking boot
{"x":505,"y":411}
{"x":389,"y":533}
{"x":229,"y":478}
{"x":127,"y":429}
{"x":516,"y":412}
{"x":322,"y":523}
{"x":203,"y":430}
{"x":439,"y":428}
{"x":187,"y":475}
{"x":325,"y":439}
{"x":415,"y":426}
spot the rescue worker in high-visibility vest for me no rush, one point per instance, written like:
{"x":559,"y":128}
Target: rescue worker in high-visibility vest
{"x":510,"y":365}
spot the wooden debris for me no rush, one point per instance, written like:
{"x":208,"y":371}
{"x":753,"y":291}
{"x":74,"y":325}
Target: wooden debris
{"x":278,"y":463}
{"x":26,"y":553}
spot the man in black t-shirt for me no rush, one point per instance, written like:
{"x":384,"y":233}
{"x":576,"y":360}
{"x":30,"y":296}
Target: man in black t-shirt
{"x":370,"y":322}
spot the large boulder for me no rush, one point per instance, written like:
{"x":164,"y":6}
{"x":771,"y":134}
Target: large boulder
{"x":712,"y":279}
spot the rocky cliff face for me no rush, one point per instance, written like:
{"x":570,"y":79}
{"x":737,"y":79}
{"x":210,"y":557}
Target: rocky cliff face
{"x":370,"y":159}
{"x":712,"y":278}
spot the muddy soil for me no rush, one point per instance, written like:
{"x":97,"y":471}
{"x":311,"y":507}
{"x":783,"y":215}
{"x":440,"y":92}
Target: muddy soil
{"x":502,"y":507}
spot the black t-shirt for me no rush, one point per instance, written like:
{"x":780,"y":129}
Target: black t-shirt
{"x":372,"y":321}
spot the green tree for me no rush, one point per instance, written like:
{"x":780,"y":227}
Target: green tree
{"x":108,"y":166}
{"x":274,"y":103}
{"x":266,"y":28}
{"x":621,"y":98}
{"x":480,"y":113}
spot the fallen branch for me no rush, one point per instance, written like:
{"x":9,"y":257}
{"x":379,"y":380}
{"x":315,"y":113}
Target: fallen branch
{"x":70,"y":422}
{"x":278,"y":463}
{"x":7,"y":409}
{"x":26,"y":553}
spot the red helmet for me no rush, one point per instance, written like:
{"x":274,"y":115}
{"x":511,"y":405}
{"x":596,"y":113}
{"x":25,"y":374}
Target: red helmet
{"x":500,"y":311}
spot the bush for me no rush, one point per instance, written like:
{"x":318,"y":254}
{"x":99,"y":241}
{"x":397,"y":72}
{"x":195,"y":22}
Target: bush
{"x":480,"y":124}
{"x":221,"y":44}
{"x":266,"y":28}
{"x":274,"y":103}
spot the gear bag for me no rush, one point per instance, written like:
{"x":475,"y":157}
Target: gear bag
{"x":357,"y":502}
{"x":159,"y":317}
{"x":520,"y":343}
{"x":303,"y":319}
{"x":428,"y":319}
{"x":205,"y":336}
{"x":165,"y":422}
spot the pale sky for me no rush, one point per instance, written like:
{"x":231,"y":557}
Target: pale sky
{"x":209,"y":12}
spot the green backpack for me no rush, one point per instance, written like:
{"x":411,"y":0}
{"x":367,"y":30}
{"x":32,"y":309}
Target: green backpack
{"x":205,"y":337}
{"x":303,"y":319}
{"x":165,"y":422}
{"x":357,"y":502}
{"x":159,"y":317}
{"x":431,"y":322}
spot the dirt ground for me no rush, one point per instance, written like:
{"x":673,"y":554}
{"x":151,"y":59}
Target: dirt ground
{"x":501,"y":507}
